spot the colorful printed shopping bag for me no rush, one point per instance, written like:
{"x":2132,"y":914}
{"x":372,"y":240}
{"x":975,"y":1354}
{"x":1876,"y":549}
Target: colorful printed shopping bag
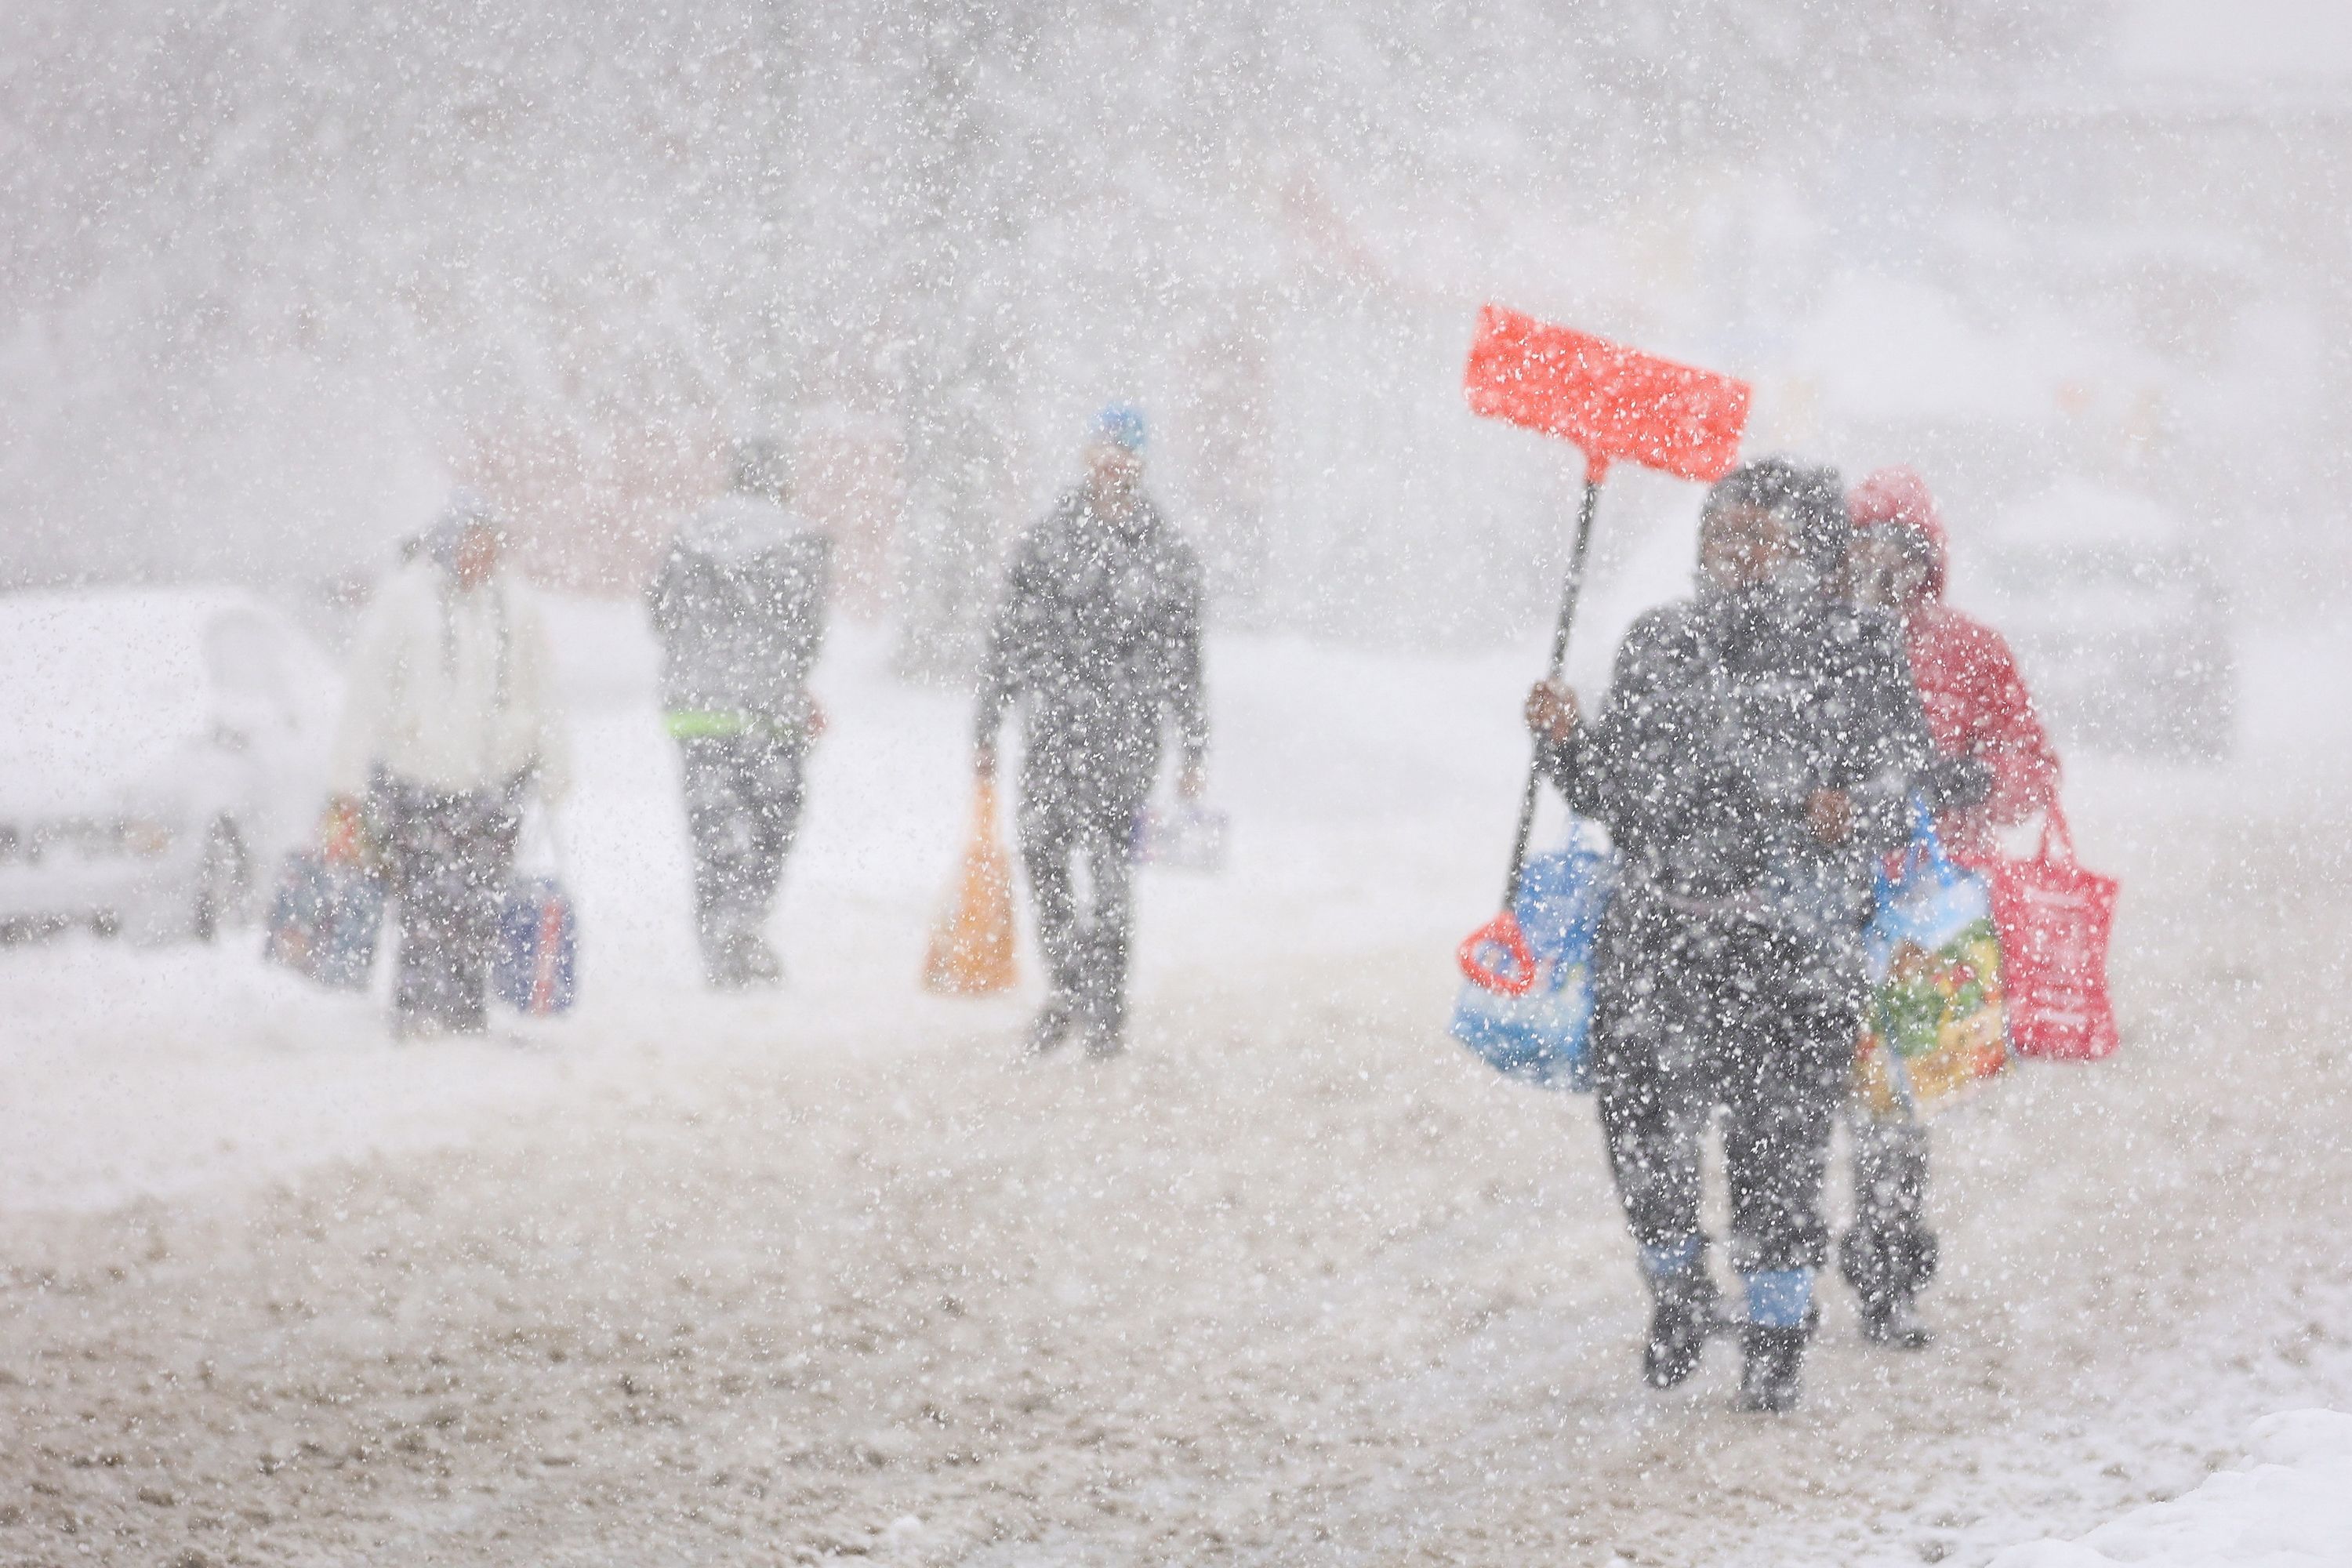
{"x":2054,"y":918}
{"x":535,"y":967}
{"x":324,"y":921}
{"x":1933,"y":1029}
{"x":1541,"y":1035}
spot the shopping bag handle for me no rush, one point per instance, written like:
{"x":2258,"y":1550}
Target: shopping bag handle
{"x":1496,"y":956}
{"x":2055,"y":831}
{"x":539,"y":830}
{"x":1924,"y":842}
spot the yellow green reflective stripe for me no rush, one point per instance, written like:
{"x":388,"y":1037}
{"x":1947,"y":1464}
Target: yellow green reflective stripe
{"x":702,"y":724}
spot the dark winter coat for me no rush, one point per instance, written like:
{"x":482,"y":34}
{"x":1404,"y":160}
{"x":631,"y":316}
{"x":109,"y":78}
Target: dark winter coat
{"x":739,"y":608}
{"x":1725,"y":714}
{"x":1098,"y":638}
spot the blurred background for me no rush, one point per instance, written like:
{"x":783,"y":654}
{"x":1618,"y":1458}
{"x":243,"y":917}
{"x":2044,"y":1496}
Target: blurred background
{"x":277,"y":276}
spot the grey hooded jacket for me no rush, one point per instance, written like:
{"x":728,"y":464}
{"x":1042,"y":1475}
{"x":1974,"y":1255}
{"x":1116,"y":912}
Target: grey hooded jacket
{"x":739,"y":608}
{"x":1098,"y":638}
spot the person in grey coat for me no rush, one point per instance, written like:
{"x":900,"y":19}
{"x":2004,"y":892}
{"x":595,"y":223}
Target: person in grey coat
{"x":739,"y":608}
{"x":1754,"y":757}
{"x":1098,"y":638}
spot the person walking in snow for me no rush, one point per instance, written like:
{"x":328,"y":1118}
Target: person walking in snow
{"x":1996,"y":771}
{"x":739,"y":606}
{"x":1753,"y":758}
{"x":449,"y":721}
{"x":1097,"y":636}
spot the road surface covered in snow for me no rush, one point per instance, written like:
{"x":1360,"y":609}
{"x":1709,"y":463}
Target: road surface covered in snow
{"x":827,"y":1273}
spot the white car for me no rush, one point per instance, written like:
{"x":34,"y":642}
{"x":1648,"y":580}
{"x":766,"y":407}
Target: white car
{"x":158,"y":748}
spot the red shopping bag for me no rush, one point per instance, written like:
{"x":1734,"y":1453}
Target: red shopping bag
{"x":2054,"y":918}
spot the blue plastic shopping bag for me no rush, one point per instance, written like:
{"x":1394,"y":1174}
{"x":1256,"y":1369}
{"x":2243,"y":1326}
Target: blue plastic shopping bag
{"x":1540,"y":1035}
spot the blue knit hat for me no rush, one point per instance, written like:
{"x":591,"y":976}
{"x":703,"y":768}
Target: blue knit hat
{"x":1121,"y":424}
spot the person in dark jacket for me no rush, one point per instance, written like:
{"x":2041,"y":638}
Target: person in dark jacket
{"x":1097,"y":636}
{"x":1998,"y":771}
{"x":1753,"y":757}
{"x":739,"y":608}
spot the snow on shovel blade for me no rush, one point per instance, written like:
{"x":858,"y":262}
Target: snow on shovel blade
{"x":1611,"y":401}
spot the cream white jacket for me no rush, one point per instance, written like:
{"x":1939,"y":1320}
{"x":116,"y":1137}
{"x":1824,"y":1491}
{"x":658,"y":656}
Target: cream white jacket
{"x":450,"y":689}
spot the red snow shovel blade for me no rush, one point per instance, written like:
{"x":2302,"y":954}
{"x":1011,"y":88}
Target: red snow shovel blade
{"x":1611,"y":401}
{"x":1497,"y":957}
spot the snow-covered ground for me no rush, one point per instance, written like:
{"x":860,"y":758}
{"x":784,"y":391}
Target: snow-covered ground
{"x":2291,"y":1506}
{"x":685,"y":1278}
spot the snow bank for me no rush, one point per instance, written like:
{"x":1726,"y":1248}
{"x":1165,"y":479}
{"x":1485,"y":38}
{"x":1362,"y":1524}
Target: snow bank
{"x":2292,"y":1510}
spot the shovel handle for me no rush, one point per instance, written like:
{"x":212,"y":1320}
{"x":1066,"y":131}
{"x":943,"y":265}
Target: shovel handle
{"x":1595,"y":469}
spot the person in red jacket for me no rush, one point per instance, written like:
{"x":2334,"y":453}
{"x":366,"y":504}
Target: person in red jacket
{"x":1998,"y":771}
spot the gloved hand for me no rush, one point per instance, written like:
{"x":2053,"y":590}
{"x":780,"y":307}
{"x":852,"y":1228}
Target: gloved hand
{"x":1955,"y":783}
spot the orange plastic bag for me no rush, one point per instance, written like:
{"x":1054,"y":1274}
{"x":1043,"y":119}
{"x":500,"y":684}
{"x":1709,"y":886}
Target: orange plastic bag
{"x":972,"y":946}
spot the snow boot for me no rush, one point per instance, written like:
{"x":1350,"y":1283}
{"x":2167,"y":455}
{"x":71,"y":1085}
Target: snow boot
{"x":1894,"y":1323}
{"x":734,"y":960}
{"x":1052,"y":1026}
{"x":1886,"y":1272}
{"x":1684,"y":1310}
{"x":1780,"y":1319}
{"x":1770,"y":1359}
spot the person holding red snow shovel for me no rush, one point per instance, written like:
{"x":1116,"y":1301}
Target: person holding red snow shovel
{"x":1995,"y":770}
{"x":1753,"y":760}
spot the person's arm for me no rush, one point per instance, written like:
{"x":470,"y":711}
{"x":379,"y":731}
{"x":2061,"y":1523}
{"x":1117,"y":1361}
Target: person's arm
{"x":1188,"y":693}
{"x":371,"y":694}
{"x":801,"y":593}
{"x":2013,"y":746}
{"x":1897,"y":750}
{"x":543,"y":710}
{"x":662,"y":594}
{"x":1557,"y":721}
{"x":1000,"y":666}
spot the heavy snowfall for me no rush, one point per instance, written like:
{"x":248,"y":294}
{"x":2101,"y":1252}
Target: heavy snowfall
{"x":730,"y":1231}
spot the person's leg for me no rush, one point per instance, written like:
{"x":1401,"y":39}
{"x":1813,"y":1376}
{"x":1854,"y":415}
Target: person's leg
{"x":719,"y":819}
{"x":1108,"y":933}
{"x":1048,"y":838}
{"x":405,"y":830}
{"x":777,"y":791}
{"x":483,"y":829}
{"x":1785,"y":1071}
{"x":1890,"y":1253}
{"x":1652,"y":1123}
{"x":772,"y":778}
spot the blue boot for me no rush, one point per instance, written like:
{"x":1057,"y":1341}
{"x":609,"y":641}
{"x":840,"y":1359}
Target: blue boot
{"x":1780,"y":1319}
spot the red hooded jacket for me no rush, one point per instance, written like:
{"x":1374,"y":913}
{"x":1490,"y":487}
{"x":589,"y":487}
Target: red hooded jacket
{"x":1976,"y":701}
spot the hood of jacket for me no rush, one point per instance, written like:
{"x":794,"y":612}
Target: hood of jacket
{"x":1898,"y":496}
{"x":740,"y":527}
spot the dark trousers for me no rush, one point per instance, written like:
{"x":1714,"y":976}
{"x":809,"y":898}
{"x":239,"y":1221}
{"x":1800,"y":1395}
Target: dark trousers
{"x":1698,"y":1016}
{"x":744,"y":795}
{"x":1890,"y":1253}
{"x":448,"y":858}
{"x":1086,"y":948}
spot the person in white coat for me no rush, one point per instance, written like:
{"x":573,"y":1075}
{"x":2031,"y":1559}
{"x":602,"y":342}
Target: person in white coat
{"x":451,"y":720}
